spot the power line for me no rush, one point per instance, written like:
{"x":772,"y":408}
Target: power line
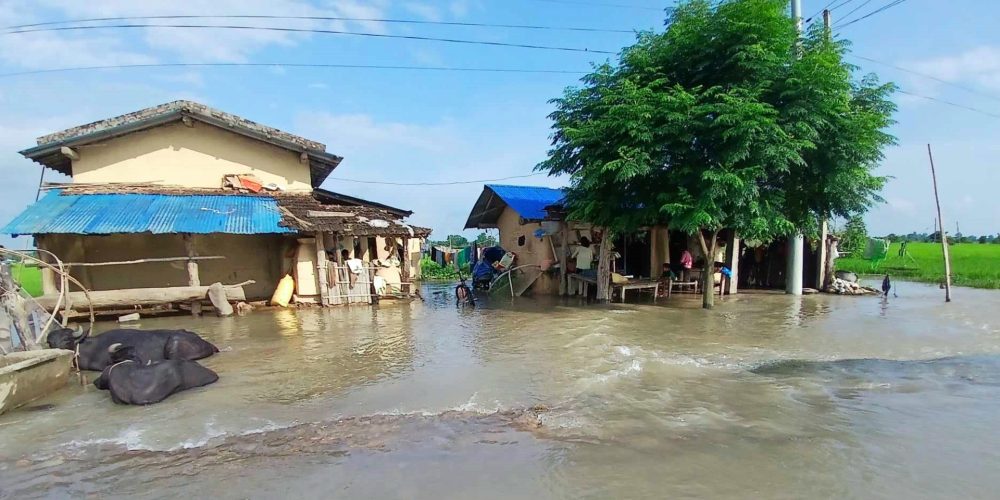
{"x":603,"y":4}
{"x":872,"y":13}
{"x":930,"y":77}
{"x":294,"y":65}
{"x":479,"y":181}
{"x":866,"y":2}
{"x":949,"y":103}
{"x":306,"y":30}
{"x":324,"y":18}
{"x":829,"y":8}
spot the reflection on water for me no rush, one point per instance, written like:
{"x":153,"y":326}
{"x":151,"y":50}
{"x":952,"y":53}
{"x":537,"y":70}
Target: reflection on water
{"x":767,"y":395}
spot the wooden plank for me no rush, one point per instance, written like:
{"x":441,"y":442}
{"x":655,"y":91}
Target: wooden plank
{"x":317,"y":213}
{"x":143,"y":296}
{"x":70,"y":153}
{"x":145,"y":261}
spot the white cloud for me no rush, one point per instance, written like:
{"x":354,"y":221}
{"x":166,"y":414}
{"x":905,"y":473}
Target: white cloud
{"x":424,"y":10}
{"x":461,"y":8}
{"x":977,"y":67}
{"x":97,"y":47}
{"x":902,"y":206}
{"x":319,"y":86}
{"x":362,"y":134}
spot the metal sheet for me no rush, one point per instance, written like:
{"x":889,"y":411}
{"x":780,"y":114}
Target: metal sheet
{"x":148,"y":213}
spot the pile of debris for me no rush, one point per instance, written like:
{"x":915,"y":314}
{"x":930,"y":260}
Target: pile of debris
{"x":847,"y":284}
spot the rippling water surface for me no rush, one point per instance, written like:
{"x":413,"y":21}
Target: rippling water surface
{"x":765,"y":396}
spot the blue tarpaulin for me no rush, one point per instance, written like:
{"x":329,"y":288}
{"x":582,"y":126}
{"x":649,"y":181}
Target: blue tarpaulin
{"x":528,"y":201}
{"x":148,"y":213}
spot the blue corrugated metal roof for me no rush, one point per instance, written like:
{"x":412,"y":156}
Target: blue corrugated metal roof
{"x":528,"y":201}
{"x":148,"y":213}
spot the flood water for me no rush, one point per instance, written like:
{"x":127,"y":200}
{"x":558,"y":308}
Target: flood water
{"x":765,"y":396}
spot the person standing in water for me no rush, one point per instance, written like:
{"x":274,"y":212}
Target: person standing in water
{"x":886,"y":286}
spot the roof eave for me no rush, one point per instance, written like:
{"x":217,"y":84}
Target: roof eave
{"x":321,"y":163}
{"x":360,"y":201}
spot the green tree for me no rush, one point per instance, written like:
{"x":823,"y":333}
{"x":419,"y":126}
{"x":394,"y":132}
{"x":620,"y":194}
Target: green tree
{"x":984,"y":240}
{"x":718,"y":123}
{"x":855,"y":235}
{"x":486,"y":240}
{"x":457,"y":241}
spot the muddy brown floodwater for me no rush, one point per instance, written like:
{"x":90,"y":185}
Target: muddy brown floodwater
{"x":766,"y":396}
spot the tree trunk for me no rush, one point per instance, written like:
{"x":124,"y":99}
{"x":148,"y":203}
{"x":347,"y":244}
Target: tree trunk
{"x":708,"y":273}
{"x":604,"y":269}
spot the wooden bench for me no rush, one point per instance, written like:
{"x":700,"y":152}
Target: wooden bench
{"x":681,"y":286}
{"x":584,"y":283}
{"x":638,"y":285}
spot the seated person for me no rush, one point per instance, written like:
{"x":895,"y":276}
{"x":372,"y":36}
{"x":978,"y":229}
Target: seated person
{"x":670,"y":272}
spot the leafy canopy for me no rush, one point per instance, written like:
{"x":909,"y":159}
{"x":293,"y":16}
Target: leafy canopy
{"x":722,"y":121}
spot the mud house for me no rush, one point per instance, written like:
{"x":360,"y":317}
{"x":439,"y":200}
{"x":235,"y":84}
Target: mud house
{"x":182,"y":195}
{"x":533,"y":224}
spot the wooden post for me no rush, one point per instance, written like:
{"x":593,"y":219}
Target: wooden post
{"x":821,"y":253}
{"x":604,"y":268}
{"x":944,"y":238}
{"x":321,"y":273}
{"x":405,"y":262}
{"x":830,"y":263}
{"x":192,"y":269}
{"x":365,"y":256}
{"x":564,"y":258}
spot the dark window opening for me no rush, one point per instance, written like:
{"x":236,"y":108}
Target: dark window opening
{"x":520,"y":241}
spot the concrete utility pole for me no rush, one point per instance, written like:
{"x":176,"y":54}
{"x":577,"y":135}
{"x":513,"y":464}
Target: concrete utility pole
{"x":796,"y":243}
{"x":827,"y":22}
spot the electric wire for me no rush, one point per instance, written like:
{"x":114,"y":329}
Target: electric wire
{"x":308,"y":30}
{"x":321,"y":18}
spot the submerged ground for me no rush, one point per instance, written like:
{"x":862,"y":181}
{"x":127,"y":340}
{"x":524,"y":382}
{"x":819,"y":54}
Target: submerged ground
{"x":766,"y":396}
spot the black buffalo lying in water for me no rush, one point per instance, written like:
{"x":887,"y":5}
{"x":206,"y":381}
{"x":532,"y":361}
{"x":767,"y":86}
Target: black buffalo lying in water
{"x":149,"y":345}
{"x":134,"y":382}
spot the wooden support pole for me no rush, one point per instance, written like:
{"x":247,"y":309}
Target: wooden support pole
{"x":821,"y":253}
{"x":405,"y":262}
{"x":321,"y":269}
{"x":192,"y":268}
{"x":145,"y":261}
{"x":944,"y":238}
{"x":564,"y":259}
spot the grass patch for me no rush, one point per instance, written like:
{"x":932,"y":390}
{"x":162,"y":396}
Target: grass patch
{"x":972,"y":264}
{"x":430,"y":270}
{"x":29,"y":277}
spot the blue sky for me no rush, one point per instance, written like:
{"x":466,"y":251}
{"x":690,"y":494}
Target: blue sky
{"x":417,"y":126}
